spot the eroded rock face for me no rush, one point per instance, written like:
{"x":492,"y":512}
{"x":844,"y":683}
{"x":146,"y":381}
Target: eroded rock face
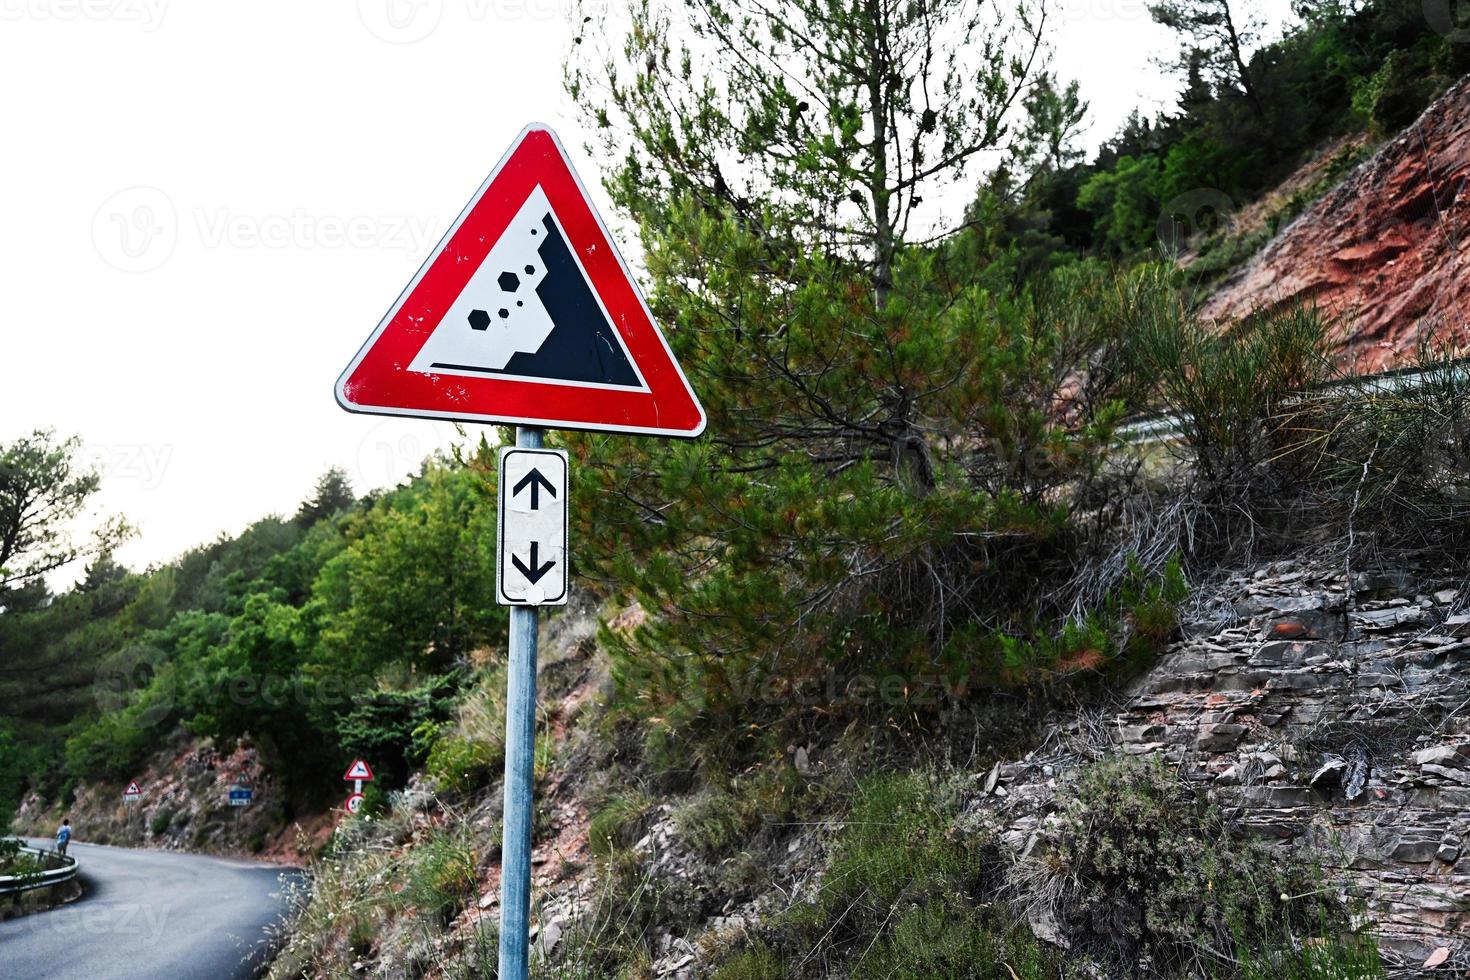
{"x":1328,"y":715}
{"x":1385,"y":253}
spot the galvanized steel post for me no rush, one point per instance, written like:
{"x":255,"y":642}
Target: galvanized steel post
{"x":520,"y":763}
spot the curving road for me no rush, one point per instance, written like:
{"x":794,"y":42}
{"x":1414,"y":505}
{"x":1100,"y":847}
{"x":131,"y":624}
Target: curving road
{"x":146,"y":915}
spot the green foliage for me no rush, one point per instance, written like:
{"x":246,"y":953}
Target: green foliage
{"x":411,"y":584}
{"x":1331,"y":957}
{"x":1129,"y":626}
{"x":1147,"y":866}
{"x":1125,"y":204}
{"x":389,"y":726}
{"x":333,"y":494}
{"x":902,"y":897}
{"x":732,"y":811}
{"x":1393,"y":96}
{"x":44,"y":487}
{"x":440,"y":878}
{"x":756,"y":963}
{"x":1230,"y":389}
{"x":333,"y":633}
{"x":161,"y":821}
{"x":618,"y":824}
{"x":464,"y":764}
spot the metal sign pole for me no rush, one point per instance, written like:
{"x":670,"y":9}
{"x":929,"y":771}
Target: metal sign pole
{"x":520,"y":761}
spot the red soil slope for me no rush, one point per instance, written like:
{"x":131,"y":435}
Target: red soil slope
{"x":1384,"y":253}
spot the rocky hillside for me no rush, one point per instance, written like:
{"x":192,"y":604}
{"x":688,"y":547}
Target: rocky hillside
{"x":1384,"y":252}
{"x":184,"y":806}
{"x":1327,"y":712}
{"x":1323,"y":711}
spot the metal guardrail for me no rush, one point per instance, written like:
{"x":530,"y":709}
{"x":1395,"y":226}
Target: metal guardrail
{"x":16,"y":884}
{"x":1170,"y":426}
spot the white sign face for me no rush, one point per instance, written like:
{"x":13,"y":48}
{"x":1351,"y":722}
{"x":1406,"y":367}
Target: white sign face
{"x":354,"y":803}
{"x":358,"y":770}
{"x":132,"y":792}
{"x":531,"y":569}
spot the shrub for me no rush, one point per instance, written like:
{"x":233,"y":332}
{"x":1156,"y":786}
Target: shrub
{"x":1398,"y":456}
{"x":1348,"y":957}
{"x":903,"y":897}
{"x":1230,"y":389}
{"x":440,"y":878}
{"x":464,"y":764}
{"x":726,"y":815}
{"x":1146,"y":866}
{"x":756,"y":963}
{"x":161,"y":821}
{"x":1392,"y":96}
{"x":618,"y":824}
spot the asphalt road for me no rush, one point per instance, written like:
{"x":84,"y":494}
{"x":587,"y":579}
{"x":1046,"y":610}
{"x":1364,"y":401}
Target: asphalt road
{"x":147,"y":915}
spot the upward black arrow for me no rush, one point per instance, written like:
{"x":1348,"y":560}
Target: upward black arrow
{"x":535,"y":571}
{"x":535,"y":481}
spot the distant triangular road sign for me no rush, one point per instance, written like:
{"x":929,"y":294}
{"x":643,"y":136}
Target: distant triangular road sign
{"x":525,"y":314}
{"x":133,"y":789}
{"x":359,"y":770}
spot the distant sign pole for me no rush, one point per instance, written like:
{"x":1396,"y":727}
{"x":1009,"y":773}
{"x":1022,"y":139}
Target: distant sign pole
{"x":525,"y":314}
{"x":357,"y":774}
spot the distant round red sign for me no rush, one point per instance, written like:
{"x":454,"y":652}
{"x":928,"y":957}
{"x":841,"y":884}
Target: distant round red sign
{"x":354,"y":803}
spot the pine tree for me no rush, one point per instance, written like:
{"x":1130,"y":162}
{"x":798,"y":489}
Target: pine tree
{"x":884,"y":434}
{"x":333,"y":493}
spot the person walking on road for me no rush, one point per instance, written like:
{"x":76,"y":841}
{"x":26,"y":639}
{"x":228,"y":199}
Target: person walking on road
{"x":63,"y":837}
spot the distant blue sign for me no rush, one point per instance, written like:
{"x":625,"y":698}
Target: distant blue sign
{"x":241,"y":795}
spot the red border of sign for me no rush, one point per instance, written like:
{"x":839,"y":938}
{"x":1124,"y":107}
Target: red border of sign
{"x":378,"y":381}
{"x":347,"y":803}
{"x":348,"y":777}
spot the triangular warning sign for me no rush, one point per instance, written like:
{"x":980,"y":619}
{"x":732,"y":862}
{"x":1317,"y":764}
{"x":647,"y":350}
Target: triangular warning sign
{"x":525,"y":314}
{"x":133,"y":789}
{"x":359,"y":770}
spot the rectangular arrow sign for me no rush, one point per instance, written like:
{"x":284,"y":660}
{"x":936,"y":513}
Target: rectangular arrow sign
{"x":531,"y":568}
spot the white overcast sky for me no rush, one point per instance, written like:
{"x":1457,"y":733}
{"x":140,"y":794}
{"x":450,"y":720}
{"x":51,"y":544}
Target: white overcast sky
{"x":206,"y":207}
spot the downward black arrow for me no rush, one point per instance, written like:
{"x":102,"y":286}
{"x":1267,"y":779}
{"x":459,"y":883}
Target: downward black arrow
{"x":536,"y":571}
{"x":535,"y":481}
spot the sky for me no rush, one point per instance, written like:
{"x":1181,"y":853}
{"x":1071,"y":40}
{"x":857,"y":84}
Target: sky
{"x":207,"y":208}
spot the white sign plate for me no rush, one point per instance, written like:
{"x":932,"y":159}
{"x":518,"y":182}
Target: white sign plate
{"x":531,"y":567}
